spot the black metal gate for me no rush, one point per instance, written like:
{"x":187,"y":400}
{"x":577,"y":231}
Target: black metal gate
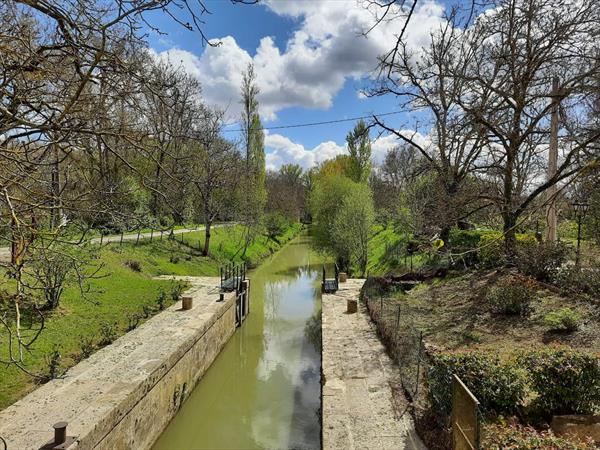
{"x":233,"y":278}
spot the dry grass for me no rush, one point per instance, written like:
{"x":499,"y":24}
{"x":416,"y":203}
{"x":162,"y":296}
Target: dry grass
{"x":454,"y":313}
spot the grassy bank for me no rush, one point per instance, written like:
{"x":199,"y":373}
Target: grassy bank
{"x":125,"y":297}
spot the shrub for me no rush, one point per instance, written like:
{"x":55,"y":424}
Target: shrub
{"x":275,"y":225}
{"x":133,"y":320}
{"x":541,"y":261}
{"x":161,"y":300}
{"x":176,"y":291}
{"x":108,"y":333}
{"x":134,"y":265}
{"x":499,"y":386}
{"x":579,"y":281}
{"x":515,"y":437}
{"x":566,"y":381}
{"x":174,"y":259}
{"x":511,"y":296}
{"x":86,"y":346}
{"x":489,"y":245}
{"x":564,"y":319}
{"x":53,"y":367}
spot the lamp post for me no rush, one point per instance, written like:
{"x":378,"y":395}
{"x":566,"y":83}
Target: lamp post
{"x":581,"y":209}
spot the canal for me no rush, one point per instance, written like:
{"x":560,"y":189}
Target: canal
{"x":264,"y":390}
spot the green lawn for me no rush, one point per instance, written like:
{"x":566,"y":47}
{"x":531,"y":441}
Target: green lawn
{"x":124,"y":293}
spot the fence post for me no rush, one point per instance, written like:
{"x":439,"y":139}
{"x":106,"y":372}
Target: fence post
{"x":397,"y":325}
{"x":420,"y":346}
{"x":101,"y":238}
{"x":161,"y":234}
{"x":137,"y":241}
{"x":121,"y":242}
{"x":151,"y":233}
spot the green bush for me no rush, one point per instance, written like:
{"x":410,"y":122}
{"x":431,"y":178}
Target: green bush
{"x":511,"y":296}
{"x":564,"y":319}
{"x":541,"y":261}
{"x":566,"y":381}
{"x":573,"y":280}
{"x":488,"y":246}
{"x":499,"y":386}
{"x":275,"y":225}
{"x":514,"y":437}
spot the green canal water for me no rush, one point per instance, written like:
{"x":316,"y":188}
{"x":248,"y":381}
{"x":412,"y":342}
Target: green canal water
{"x":263,"y":391}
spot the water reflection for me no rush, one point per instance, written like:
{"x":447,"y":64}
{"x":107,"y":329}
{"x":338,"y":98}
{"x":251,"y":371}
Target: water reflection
{"x":263,"y":391}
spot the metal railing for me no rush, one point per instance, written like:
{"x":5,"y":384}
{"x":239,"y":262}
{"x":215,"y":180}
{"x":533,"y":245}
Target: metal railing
{"x":232,"y":276}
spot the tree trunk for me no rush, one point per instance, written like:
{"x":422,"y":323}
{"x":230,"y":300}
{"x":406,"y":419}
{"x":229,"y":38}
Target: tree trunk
{"x":207,"y":226}
{"x":510,"y":235}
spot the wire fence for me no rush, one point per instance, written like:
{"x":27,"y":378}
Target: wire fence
{"x":403,"y":340}
{"x":406,"y":346}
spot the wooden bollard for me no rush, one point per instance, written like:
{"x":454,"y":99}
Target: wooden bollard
{"x":351,"y":306}
{"x":343,"y":277}
{"x":186,"y":303}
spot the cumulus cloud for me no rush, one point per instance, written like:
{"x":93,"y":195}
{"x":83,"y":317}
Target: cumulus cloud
{"x":282,"y":150}
{"x":326,"y":49}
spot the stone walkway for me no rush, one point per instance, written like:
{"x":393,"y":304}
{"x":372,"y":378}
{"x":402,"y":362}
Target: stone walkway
{"x":358,"y":410}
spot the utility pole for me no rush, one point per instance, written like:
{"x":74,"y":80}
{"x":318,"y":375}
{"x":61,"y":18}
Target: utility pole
{"x":551,"y":214}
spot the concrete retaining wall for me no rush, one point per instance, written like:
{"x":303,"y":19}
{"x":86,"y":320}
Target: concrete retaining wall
{"x":123,"y":396}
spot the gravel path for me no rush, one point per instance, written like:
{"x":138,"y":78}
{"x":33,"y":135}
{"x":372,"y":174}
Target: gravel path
{"x":358,"y":410}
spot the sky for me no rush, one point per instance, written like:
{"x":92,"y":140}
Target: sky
{"x":313,"y":63}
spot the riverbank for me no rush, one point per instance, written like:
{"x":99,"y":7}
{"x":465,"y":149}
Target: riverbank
{"x":123,"y":298}
{"x":358,"y":378}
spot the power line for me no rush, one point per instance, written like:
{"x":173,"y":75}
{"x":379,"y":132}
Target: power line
{"x":312,"y":124}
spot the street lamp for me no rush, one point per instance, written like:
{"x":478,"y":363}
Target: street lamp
{"x":581,"y":209}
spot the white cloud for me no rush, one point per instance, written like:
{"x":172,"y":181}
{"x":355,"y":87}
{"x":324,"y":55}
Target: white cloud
{"x":327,"y":48}
{"x":282,"y":150}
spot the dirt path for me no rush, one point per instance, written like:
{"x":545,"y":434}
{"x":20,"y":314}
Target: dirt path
{"x":358,"y":411}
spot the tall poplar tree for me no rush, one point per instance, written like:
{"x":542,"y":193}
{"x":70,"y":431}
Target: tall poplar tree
{"x":254,"y":192}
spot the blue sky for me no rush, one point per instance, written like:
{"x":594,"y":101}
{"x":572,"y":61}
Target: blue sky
{"x":311,"y":62}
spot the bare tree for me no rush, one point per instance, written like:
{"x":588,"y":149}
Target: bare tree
{"x":427,"y":80}
{"x":216,"y":171}
{"x":513,"y":53}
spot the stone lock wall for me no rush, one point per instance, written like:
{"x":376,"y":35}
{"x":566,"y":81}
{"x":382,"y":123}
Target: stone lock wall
{"x":124,"y":395}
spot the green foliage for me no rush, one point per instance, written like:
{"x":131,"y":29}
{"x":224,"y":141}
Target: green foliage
{"x":515,"y":437}
{"x":511,"y":296}
{"x":499,"y":386}
{"x":564,"y":319}
{"x":359,"y":146}
{"x":275,"y":224}
{"x":351,"y":228}
{"x":161,"y":300}
{"x":176,"y":291}
{"x":325,"y":202}
{"x":566,"y":381}
{"x":108,"y":333}
{"x":86,"y":346}
{"x":574,"y":280}
{"x":486,"y":247}
{"x":53,"y":366}
{"x":541,"y":261}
